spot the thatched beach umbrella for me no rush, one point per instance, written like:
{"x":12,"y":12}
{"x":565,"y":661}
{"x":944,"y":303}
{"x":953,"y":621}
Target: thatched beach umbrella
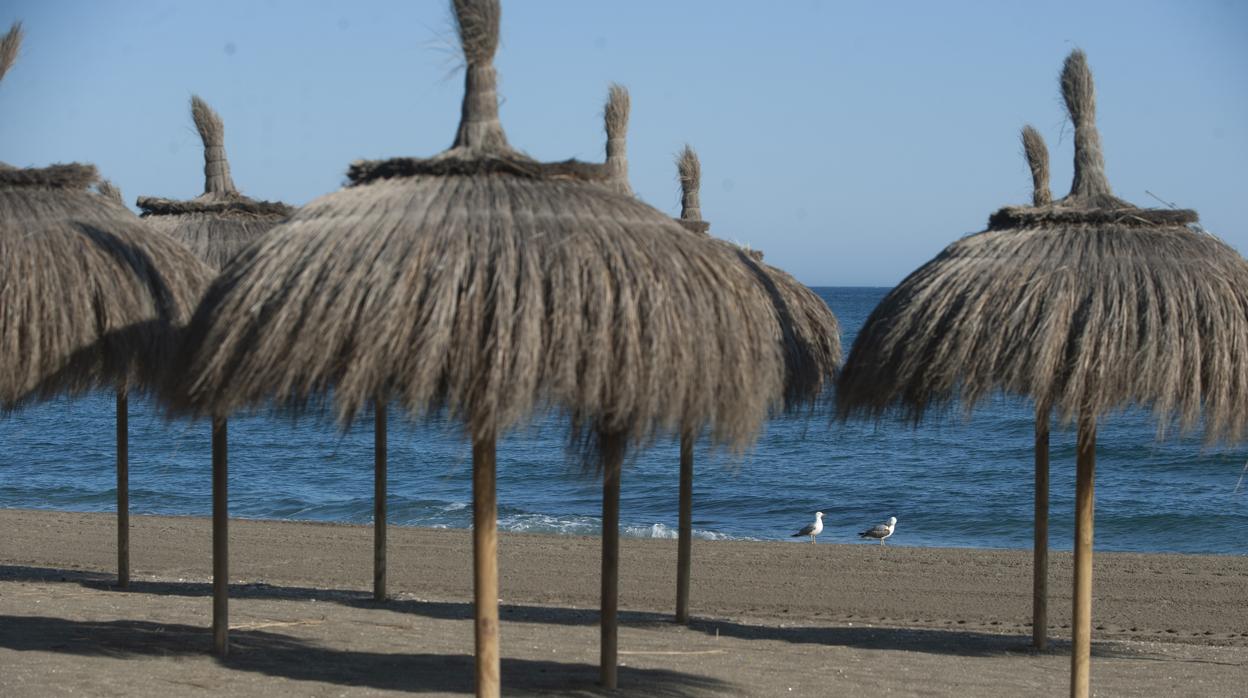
{"x":89,"y":297}
{"x":221,"y":221}
{"x":1087,"y":304}
{"x":215,"y":226}
{"x":489,"y":285}
{"x":812,"y":350}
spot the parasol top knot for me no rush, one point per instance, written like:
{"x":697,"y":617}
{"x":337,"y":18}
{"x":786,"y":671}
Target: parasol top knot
{"x":1038,"y":161}
{"x":615,"y":120}
{"x":477,"y":22}
{"x":689,"y":169}
{"x":217,"y":178}
{"x":1079,"y":93}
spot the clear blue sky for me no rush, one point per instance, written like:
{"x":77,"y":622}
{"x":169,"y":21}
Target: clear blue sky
{"x":849,"y":141}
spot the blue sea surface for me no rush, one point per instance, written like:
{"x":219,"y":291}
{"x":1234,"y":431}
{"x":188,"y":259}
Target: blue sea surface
{"x":956,"y":481}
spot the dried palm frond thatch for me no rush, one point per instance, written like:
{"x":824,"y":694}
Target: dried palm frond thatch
{"x":487,"y":284}
{"x":91,"y":298}
{"x":1087,"y":304}
{"x":221,"y":221}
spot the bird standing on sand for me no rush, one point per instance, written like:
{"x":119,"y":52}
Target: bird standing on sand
{"x":813,"y":529}
{"x":881,"y":531}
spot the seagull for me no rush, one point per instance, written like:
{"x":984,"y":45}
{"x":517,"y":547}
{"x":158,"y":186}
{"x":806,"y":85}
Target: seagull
{"x":813,"y":529}
{"x":881,"y":531}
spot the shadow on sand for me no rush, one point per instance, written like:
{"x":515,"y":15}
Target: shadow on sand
{"x":934,"y":641}
{"x":274,"y":654}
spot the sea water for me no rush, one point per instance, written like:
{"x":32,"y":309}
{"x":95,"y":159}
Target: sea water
{"x":956,"y":481}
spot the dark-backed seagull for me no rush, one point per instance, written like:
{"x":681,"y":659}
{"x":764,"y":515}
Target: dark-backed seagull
{"x":881,"y":531}
{"x":813,"y":529}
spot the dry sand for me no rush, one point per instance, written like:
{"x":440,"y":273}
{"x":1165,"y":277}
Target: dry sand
{"x":774,"y":618}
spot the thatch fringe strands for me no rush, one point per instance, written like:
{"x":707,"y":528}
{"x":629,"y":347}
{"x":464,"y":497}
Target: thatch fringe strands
{"x":615,"y":118}
{"x":1037,"y":154}
{"x":9,"y":47}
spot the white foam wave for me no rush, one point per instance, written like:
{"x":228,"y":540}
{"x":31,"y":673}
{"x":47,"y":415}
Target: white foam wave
{"x":590,"y":526}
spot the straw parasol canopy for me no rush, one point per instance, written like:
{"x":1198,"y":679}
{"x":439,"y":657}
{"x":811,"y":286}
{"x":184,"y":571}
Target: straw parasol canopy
{"x":812,"y":349}
{"x":1087,"y":304}
{"x":490,"y":285}
{"x":810,"y":332}
{"x":221,"y":221}
{"x":89,"y":298}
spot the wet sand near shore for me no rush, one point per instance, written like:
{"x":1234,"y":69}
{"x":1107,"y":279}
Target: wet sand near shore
{"x":819,"y":619}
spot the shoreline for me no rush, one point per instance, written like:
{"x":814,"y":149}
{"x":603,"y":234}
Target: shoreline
{"x":1164,"y":596}
{"x":707,"y":537}
{"x":864,"y":617}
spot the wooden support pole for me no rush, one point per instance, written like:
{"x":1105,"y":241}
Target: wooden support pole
{"x":613,"y":459}
{"x":379,"y":501}
{"x":684,"y":544}
{"x":1081,"y":605}
{"x":1040,"y":566}
{"x":123,"y":489}
{"x":485,"y":565}
{"x":220,"y":539}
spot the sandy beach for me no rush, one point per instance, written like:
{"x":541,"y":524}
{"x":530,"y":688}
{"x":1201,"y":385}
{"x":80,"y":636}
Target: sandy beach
{"x":771,"y":618}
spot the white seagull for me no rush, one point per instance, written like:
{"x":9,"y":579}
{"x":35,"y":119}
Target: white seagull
{"x":881,"y":531}
{"x":813,"y":529}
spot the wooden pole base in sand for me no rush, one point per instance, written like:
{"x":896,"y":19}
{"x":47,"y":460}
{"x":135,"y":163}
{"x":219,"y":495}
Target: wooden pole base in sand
{"x":613,"y":459}
{"x":684,"y":544}
{"x":1081,"y":605}
{"x":220,"y":539}
{"x":1040,"y":566}
{"x":485,"y":565}
{"x":379,"y":501}
{"x":123,"y":489}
